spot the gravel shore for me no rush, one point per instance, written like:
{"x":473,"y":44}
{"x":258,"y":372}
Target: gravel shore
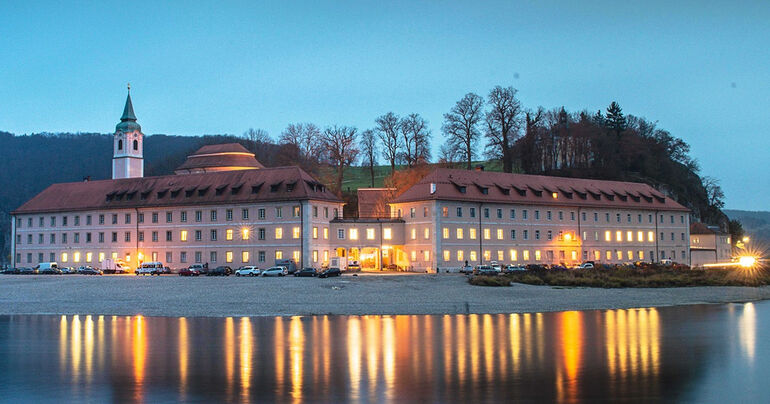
{"x":354,"y":295}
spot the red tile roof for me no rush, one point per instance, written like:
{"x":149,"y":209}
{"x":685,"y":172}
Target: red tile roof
{"x":495,"y":187}
{"x":700,"y":228}
{"x":214,"y":188}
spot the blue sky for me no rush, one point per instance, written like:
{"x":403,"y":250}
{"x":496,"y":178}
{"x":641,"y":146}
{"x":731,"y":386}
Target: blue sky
{"x":700,"y":69}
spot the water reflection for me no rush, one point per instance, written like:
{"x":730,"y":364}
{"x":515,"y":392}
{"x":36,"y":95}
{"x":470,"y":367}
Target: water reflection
{"x":564,"y":357}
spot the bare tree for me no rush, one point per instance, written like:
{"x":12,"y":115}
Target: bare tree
{"x":306,"y":137}
{"x":416,"y":139}
{"x":504,"y":121}
{"x":388,"y":131}
{"x":369,"y":150}
{"x":256,"y":138}
{"x":461,"y":125}
{"x":449,"y":154}
{"x":339,"y":142}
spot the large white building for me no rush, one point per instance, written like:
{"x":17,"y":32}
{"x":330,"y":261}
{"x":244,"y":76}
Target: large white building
{"x":223,"y":207}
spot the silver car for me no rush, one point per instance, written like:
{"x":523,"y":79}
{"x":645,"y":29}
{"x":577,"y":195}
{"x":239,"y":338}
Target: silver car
{"x":275,"y":271}
{"x":248,"y":271}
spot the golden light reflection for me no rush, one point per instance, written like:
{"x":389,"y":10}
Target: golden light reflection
{"x":372,"y":329}
{"x":62,"y":344}
{"x":632,"y":344}
{"x":747,"y":330}
{"x":75,"y":348}
{"x":354,"y":357}
{"x":514,"y":334}
{"x":489,"y":342}
{"x":475,"y":342}
{"x":229,"y":345}
{"x":89,"y":349}
{"x":244,"y":359}
{"x":279,"y":346}
{"x":571,"y":337}
{"x":296,"y":356}
{"x":139,"y":339}
{"x":183,"y":354}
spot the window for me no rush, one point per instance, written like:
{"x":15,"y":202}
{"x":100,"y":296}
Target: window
{"x":472,"y":212}
{"x":353,"y":234}
{"x":101,"y":237}
{"x":278,"y":212}
{"x":487,"y":255}
{"x":261,"y":213}
{"x":512,"y":254}
{"x":445,"y":211}
{"x":413,"y":255}
{"x":213,"y":235}
{"x":198,"y":257}
{"x":526,"y":235}
{"x":446,"y":255}
{"x":52,"y":238}
{"x":213,"y":256}
{"x":154,"y":217}
{"x":607,"y":236}
{"x":426,"y":255}
{"x":460,"y":255}
{"x":572,"y":216}
{"x":244,"y":215}
{"x":513,"y":214}
{"x":140,"y":217}
{"x":76,"y":238}
{"x":486,"y":213}
{"x":198,"y":235}
{"x":424,"y":211}
{"x":500,"y":234}
{"x":487,"y":234}
{"x":169,"y":217}
{"x":412,"y":212}
{"x":296,"y":211}
{"x":198,"y":216}
{"x":278,"y":233}
{"x":213,"y":215}
{"x":472,"y":255}
{"x":537,"y":234}
{"x":445,"y":232}
{"x":128,"y":218}
{"x":499,"y":213}
{"x":228,"y":256}
{"x":77,"y":220}
{"x":617,"y":217}
{"x":472,"y":233}
{"x":650,"y":237}
{"x":279,"y":255}
{"x":618,"y":235}
{"x":537,"y":215}
{"x":114,"y":219}
{"x":183,"y":235}
{"x":183,"y":217}
{"x":229,"y":218}
{"x":513,"y":234}
{"x":326,"y":212}
{"x":155,"y":236}
{"x":459,"y":233}
{"x":183,"y":256}
{"x":549,"y":235}
{"x":114,"y":236}
{"x":537,"y":255}
{"x":295,"y":232}
{"x":261,"y":233}
{"x":229,"y":234}
{"x":261,"y":256}
{"x":548,"y":215}
{"x":139,"y":236}
{"x":370,"y":234}
{"x":682,"y":236}
{"x":169,"y":236}
{"x":315,"y":214}
{"x":629,"y":236}
{"x":101,"y":219}
{"x":341,"y":234}
{"x":326,"y":233}
{"x":459,"y":211}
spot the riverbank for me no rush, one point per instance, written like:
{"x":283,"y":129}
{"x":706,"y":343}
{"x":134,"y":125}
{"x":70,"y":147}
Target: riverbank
{"x":353,"y":295}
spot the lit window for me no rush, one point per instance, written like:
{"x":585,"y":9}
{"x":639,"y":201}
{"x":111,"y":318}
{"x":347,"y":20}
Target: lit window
{"x":183,"y":235}
{"x":618,"y":235}
{"x":414,"y":234}
{"x":500,"y":255}
{"x":459,"y":233}
{"x":279,"y":255}
{"x":574,"y":255}
{"x":315,"y":232}
{"x":89,"y":256}
{"x":315,"y":255}
{"x":512,"y":254}
{"x":500,"y":235}
{"x":426,"y":233}
{"x":460,"y":255}
{"x":426,"y":255}
{"x":114,"y":256}
{"x":487,"y":235}
{"x":229,"y":236}
{"x":326,"y":255}
{"x":387,"y":233}
{"x":413,"y":256}
{"x":640,"y":236}
{"x":245,"y":234}
{"x":245,"y":256}
{"x":445,"y":232}
{"x":609,"y":255}
{"x":370,"y":234}
{"x":650,"y":236}
{"x":555,"y":195}
{"x":473,"y":255}
{"x":353,"y":234}
{"x":487,"y":255}
{"x":228,"y":256}
{"x":101,"y":256}
{"x":278,"y":233}
{"x":446,"y":255}
{"x":326,"y":233}
{"x":641,"y":255}
{"x":76,"y":257}
{"x":629,"y":236}
{"x":296,"y":255}
{"x":607,"y":236}
{"x":63,"y":257}
{"x":128,"y":257}
{"x":295,"y":232}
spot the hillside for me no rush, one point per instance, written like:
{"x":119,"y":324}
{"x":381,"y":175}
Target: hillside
{"x":755,"y":224}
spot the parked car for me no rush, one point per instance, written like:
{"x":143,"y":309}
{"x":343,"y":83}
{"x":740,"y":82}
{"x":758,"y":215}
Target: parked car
{"x":49,"y":271}
{"x":68,"y":270}
{"x":484,"y":270}
{"x":275,"y":271}
{"x":289,"y":264}
{"x":306,"y":272}
{"x":509,"y":269}
{"x":667,"y":262}
{"x":151,"y":268}
{"x":585,"y":265}
{"x":191,"y":271}
{"x":329,"y":272}
{"x":466,"y":269}
{"x":353,"y":266}
{"x":220,"y":271}
{"x":27,"y":271}
{"x":89,"y":271}
{"x":249,"y":270}
{"x":10,"y":271}
{"x":497,"y":267}
{"x":47,"y":268}
{"x":200,"y":268}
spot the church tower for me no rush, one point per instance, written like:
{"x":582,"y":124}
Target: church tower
{"x":128,"y":145}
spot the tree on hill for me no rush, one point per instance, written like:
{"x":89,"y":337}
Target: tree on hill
{"x":615,"y":121}
{"x":339,"y":143}
{"x":388,"y":131}
{"x":503,"y":121}
{"x":307,"y":138}
{"x":369,"y":151}
{"x":461,"y":126}
{"x":416,"y":139}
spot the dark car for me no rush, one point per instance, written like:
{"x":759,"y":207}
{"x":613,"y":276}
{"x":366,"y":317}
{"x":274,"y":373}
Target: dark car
{"x":50,"y":271}
{"x":220,"y":271}
{"x":10,"y":271}
{"x":89,"y":271}
{"x":330,"y":272}
{"x":306,"y":272}
{"x":27,"y":271}
{"x":189,"y":272}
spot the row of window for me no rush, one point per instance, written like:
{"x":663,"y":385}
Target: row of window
{"x":619,"y":236}
{"x":563,"y":255}
{"x":549,"y":215}
{"x":352,"y":234}
{"x":155,"y":216}
{"x":183,"y":257}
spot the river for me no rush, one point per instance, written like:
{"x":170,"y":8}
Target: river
{"x":701,"y":353}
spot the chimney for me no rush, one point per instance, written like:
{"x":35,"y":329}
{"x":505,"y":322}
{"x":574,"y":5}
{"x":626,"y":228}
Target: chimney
{"x":480,"y":167}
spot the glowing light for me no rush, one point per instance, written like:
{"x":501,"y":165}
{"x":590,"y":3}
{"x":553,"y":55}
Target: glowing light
{"x":568,"y":237}
{"x":747,"y":261}
{"x":555,"y":195}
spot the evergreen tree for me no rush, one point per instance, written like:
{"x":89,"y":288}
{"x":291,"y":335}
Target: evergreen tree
{"x":615,"y":120}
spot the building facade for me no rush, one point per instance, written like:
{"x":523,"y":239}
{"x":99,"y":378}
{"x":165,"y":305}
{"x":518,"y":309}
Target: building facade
{"x":709,"y":245}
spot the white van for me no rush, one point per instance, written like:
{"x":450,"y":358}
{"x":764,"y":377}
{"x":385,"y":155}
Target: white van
{"x":48,"y":268}
{"x":150,"y":268}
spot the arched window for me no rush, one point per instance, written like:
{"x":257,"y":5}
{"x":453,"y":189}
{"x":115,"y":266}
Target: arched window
{"x":120,"y":144}
{"x":136,"y":144}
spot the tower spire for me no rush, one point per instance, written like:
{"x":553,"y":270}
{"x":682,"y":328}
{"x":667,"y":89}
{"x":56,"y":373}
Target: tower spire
{"x":128,"y":110}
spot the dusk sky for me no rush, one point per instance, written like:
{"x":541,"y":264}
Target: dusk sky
{"x":700,"y":69}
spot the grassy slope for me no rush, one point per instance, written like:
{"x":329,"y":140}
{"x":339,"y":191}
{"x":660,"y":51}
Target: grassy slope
{"x":359,"y":177}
